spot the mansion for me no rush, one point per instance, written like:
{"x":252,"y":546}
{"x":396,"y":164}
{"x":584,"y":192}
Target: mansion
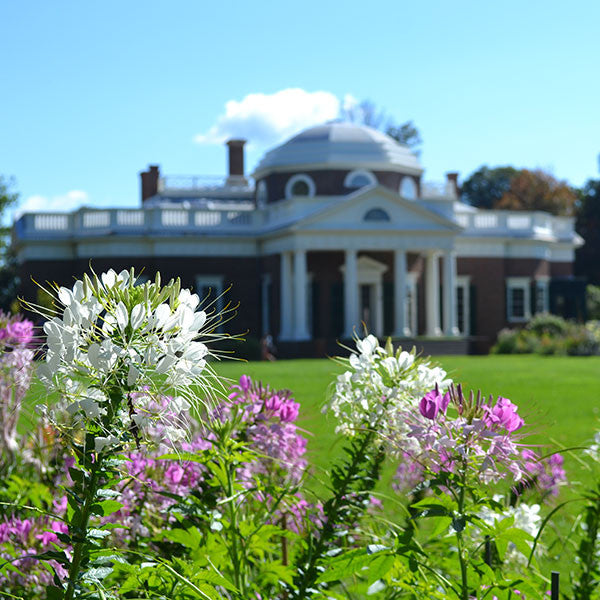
{"x":336,"y":231}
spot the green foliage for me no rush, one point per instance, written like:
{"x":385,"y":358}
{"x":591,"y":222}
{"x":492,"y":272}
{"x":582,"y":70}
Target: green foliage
{"x":485,"y":187}
{"x":587,"y":225}
{"x":549,"y":335}
{"x":351,"y":481}
{"x":592,"y":293}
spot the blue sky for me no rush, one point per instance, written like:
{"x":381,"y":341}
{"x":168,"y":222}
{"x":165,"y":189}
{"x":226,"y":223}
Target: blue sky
{"x":94,"y":92}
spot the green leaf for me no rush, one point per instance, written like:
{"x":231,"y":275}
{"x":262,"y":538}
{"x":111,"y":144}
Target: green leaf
{"x":190,"y":538}
{"x":106,"y":507}
{"x":347,"y":564}
{"x":54,"y":593}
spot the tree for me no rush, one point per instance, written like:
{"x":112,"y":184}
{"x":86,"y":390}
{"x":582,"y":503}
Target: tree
{"x":538,"y":190}
{"x":8,"y":262}
{"x":367,"y":113}
{"x":587,"y":225}
{"x":485,"y":187}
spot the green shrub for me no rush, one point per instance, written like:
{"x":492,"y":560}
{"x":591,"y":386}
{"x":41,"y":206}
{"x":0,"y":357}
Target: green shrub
{"x":592,"y":294}
{"x":548,"y":324}
{"x":506,"y":343}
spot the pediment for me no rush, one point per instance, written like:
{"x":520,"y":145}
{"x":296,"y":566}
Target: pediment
{"x":374,"y":209}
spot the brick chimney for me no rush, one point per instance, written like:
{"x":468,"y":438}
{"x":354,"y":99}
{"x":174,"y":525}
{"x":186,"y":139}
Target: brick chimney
{"x":236,"y":163}
{"x":150,"y":182}
{"x":452,"y":183}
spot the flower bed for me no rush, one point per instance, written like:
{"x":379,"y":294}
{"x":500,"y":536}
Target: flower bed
{"x":152,"y":478}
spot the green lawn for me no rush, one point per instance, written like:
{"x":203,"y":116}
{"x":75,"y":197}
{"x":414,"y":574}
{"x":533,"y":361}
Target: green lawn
{"x":559,"y":397}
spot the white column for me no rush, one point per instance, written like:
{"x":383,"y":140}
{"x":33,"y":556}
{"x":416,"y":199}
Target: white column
{"x":432,"y":295}
{"x":450,"y":314}
{"x":285,"y":330}
{"x":350,"y":295}
{"x":300,"y":313}
{"x":401,"y":325}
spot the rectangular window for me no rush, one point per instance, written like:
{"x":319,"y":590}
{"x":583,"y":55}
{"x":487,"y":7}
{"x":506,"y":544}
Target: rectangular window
{"x":210,"y":290}
{"x":518,"y":299}
{"x":542,"y":297}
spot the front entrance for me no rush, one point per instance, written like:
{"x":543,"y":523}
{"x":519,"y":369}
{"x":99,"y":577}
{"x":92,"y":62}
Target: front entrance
{"x":367,"y":306}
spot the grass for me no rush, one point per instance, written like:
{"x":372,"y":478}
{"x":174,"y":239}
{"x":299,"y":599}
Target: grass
{"x":558,"y":396}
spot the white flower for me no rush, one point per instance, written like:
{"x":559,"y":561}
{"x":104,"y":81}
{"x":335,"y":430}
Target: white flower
{"x":379,"y":389}
{"x":127,"y":337}
{"x":102,"y":442}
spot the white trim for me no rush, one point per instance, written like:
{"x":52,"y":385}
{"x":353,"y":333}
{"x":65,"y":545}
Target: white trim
{"x":295,"y":179}
{"x":262,"y":193}
{"x":518,"y":283}
{"x":408,"y":188}
{"x":412,"y":304}
{"x":542,"y":284}
{"x":358,"y":173}
{"x":463,"y":282}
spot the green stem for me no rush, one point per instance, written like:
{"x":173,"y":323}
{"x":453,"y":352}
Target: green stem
{"x":459,"y":538}
{"x":235,"y":559}
{"x":78,"y":548}
{"x":79,"y":526}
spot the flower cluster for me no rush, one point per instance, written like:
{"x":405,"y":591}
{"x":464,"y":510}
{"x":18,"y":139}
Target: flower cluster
{"x":111,"y":332}
{"x":268,"y":419}
{"x":380,"y":388}
{"x":546,"y":475}
{"x":16,"y":364}
{"x":23,"y":538}
{"x":15,"y":331}
{"x":478,"y":434}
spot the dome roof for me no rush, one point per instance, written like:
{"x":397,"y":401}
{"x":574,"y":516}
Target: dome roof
{"x":340,"y":145}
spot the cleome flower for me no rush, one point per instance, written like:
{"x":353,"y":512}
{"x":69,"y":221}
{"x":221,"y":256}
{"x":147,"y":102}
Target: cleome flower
{"x":112,"y":335}
{"x":380,"y":389}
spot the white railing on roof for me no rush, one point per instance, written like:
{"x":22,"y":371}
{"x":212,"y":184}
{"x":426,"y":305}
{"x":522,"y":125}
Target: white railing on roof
{"x":516,"y":224}
{"x":85,"y":222}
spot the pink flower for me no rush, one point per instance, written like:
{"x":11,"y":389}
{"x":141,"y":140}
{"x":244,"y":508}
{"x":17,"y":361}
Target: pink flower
{"x":433,"y":402}
{"x":289,"y":412}
{"x":503,"y":414}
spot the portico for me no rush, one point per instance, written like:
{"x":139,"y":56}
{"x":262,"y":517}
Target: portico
{"x":363,"y":294}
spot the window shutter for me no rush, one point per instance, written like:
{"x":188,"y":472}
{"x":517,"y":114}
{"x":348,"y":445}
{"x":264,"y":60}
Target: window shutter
{"x":336,"y":323}
{"x":388,"y":307}
{"x":316,"y":308}
{"x":472,"y":310}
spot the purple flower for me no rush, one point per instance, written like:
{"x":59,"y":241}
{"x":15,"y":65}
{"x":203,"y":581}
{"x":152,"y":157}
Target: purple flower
{"x":503,"y":415}
{"x":289,"y":412}
{"x":433,"y":402}
{"x":20,"y":331}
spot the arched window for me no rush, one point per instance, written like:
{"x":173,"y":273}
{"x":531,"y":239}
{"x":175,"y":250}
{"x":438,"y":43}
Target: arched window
{"x":300,"y":185}
{"x":408,"y":188}
{"x":261,"y":193}
{"x":376,"y":214}
{"x":358,"y":179}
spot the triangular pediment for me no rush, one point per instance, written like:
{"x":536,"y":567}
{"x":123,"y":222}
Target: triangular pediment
{"x":376,"y":208}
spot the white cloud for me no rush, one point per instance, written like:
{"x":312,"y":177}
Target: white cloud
{"x":64,"y":202}
{"x":269,"y":118}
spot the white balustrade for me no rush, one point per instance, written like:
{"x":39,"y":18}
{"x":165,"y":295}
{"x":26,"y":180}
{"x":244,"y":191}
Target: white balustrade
{"x":130,"y":218}
{"x":207,"y":218}
{"x":91,"y":220}
{"x":51,"y":222}
{"x":485,"y":221}
{"x":462,"y":220}
{"x":174,"y":218}
{"x":518,"y":221}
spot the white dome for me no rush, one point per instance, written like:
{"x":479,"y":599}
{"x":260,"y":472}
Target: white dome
{"x":340,"y":145}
